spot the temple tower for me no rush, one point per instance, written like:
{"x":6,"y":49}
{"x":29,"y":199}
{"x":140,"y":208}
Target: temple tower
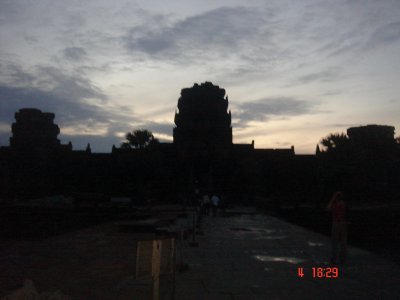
{"x":202,"y":120}
{"x":34,"y":129}
{"x":373,"y":142}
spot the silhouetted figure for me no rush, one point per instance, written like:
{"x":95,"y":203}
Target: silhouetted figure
{"x":206,"y":205}
{"x":215,"y":204}
{"x":339,"y":230}
{"x":196,"y":199}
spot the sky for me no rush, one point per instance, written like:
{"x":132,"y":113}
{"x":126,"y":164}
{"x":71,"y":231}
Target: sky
{"x":294,"y":71}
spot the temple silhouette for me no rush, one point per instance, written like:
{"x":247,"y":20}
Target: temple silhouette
{"x":202,"y":122}
{"x":202,"y":156}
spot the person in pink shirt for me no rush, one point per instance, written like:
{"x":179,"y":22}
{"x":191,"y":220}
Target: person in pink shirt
{"x":339,"y":230}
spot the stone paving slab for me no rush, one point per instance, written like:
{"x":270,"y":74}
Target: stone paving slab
{"x":255,"y":256}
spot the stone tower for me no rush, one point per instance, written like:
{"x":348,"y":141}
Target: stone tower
{"x":373,"y":142}
{"x":34,"y":129}
{"x":202,"y":120}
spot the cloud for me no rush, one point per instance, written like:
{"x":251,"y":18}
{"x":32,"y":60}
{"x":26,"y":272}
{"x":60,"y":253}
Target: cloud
{"x":79,"y":106}
{"x":385,"y":35}
{"x":160,"y":128}
{"x":63,"y":85}
{"x":74,"y":53}
{"x":332,"y":92}
{"x":321,"y":76}
{"x":15,"y":75}
{"x":215,"y":33}
{"x":68,"y":111}
{"x":356,"y":27}
{"x":83,"y":112}
{"x":79,"y":122}
{"x":265,"y":109}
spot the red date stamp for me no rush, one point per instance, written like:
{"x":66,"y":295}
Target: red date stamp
{"x":319,"y":272}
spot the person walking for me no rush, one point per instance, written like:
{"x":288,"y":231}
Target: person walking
{"x":339,"y":230}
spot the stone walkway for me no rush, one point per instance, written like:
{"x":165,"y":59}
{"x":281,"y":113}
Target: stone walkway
{"x":253,"y":256}
{"x":245,"y":255}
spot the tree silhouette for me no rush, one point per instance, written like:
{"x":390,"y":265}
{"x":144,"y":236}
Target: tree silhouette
{"x":335,"y":142}
{"x":139,"y":139}
{"x":336,"y":162}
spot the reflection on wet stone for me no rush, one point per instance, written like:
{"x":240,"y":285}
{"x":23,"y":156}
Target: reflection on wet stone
{"x":277,"y":237}
{"x":315,"y":244}
{"x":291,"y":260}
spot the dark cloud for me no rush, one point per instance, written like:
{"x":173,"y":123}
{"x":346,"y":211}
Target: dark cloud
{"x":151,"y":43}
{"x":74,"y":53}
{"x":77,"y":104}
{"x":74,"y":99}
{"x":161,"y":128}
{"x":81,"y":116}
{"x":68,"y":111}
{"x":217,"y":32}
{"x":76,"y":114}
{"x":13,"y":73}
{"x":356,"y":27}
{"x":10,"y":11}
{"x":69,"y":87}
{"x":385,"y":35}
{"x":263,"y":110}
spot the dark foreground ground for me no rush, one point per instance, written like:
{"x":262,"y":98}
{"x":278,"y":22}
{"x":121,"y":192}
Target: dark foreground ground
{"x":254,"y":256}
{"x":20,"y":222}
{"x":73,"y":253}
{"x":242,"y":255}
{"x":374,"y":229}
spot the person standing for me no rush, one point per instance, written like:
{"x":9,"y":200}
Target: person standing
{"x":339,"y":230}
{"x":215,"y":203}
{"x":206,"y":204}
